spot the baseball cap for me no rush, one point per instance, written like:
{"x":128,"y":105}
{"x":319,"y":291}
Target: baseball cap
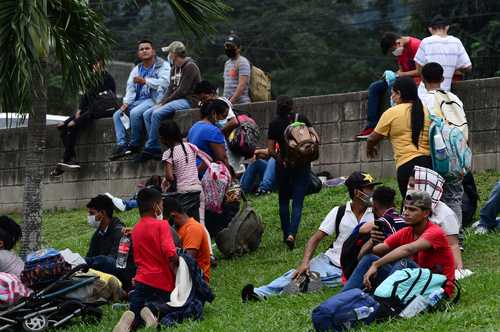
{"x":176,"y":47}
{"x":359,"y":180}
{"x":420,"y":199}
{"x":233,"y":39}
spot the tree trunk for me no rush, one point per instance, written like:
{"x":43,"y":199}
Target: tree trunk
{"x":34,"y":164}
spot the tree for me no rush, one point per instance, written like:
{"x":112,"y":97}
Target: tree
{"x":30,"y":31}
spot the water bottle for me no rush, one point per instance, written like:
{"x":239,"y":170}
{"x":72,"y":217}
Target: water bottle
{"x":125,"y":121}
{"x":123,"y":249}
{"x":363,"y":312}
{"x":418,"y":304}
{"x":435,"y":296}
{"x":440,"y":147}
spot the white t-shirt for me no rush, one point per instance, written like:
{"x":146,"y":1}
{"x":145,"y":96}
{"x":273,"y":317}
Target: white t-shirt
{"x":447,"y":51}
{"x":428,"y":98}
{"x":445,"y":218}
{"x":347,"y":225}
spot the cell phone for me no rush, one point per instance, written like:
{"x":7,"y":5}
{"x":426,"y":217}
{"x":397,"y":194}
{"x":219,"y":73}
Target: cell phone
{"x":381,"y":226}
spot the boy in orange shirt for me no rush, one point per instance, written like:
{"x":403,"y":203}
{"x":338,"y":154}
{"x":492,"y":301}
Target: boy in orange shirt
{"x":193,"y":235}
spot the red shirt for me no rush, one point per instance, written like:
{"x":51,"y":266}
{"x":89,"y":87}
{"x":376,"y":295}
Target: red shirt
{"x":439,"y":259}
{"x":405,"y":60}
{"x":153,"y":245}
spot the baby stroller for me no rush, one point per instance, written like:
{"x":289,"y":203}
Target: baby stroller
{"x":52,"y":306}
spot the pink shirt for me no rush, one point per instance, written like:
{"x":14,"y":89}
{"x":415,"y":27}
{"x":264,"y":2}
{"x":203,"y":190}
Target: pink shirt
{"x":183,"y":162}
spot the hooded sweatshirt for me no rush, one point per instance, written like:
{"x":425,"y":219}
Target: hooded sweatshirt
{"x":183,"y":80}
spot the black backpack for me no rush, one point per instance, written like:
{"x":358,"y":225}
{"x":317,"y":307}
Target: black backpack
{"x":104,"y":104}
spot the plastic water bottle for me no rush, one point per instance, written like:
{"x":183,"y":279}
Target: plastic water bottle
{"x":440,"y":147}
{"x":125,"y":121}
{"x":363,"y":312}
{"x":436,"y":296}
{"x":123,"y":250}
{"x":418,"y":304}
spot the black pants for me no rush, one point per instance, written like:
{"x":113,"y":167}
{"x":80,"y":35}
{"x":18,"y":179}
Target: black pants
{"x":69,"y":135}
{"x":406,"y":170}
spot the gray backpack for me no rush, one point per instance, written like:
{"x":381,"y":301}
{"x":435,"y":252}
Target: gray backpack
{"x":243,"y":234}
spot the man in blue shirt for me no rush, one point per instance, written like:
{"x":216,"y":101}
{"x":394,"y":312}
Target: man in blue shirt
{"x":146,"y":86}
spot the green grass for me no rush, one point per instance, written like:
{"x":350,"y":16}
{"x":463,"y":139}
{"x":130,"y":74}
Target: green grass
{"x":479,"y":309}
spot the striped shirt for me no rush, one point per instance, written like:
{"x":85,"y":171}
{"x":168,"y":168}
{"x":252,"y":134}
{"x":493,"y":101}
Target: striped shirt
{"x":185,"y":172}
{"x":447,"y":51}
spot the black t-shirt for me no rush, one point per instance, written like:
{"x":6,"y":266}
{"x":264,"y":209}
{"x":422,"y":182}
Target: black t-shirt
{"x":277,"y":128}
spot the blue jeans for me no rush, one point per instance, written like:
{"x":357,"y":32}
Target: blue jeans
{"x":488,"y":213}
{"x":154,"y":116}
{"x":329,"y":274}
{"x":452,"y":196}
{"x":141,"y":295}
{"x":265,"y":170}
{"x":130,"y":204}
{"x":376,"y":91}
{"x":136,"y":111}
{"x":356,"y":279}
{"x":292,"y":185}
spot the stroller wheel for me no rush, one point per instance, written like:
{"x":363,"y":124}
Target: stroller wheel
{"x":36,"y":324}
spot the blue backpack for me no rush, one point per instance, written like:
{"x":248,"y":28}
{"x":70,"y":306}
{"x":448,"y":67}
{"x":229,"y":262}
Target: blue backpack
{"x":453,"y":159}
{"x":345,"y":310}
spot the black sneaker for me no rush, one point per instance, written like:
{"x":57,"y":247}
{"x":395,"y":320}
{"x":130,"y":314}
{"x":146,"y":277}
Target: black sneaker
{"x":70,"y":164}
{"x":119,"y":152}
{"x":247,"y":294}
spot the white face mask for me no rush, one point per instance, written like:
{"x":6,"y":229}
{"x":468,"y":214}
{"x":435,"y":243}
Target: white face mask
{"x":159,"y":216}
{"x":398,"y":51}
{"x":92,"y":221}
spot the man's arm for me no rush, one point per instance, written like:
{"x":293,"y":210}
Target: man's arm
{"x":271,"y":148}
{"x":130,"y":90}
{"x":404,"y":251}
{"x":309,"y":250}
{"x":371,"y":144}
{"x":242,"y":83}
{"x":163,"y":79}
{"x":455,"y":249}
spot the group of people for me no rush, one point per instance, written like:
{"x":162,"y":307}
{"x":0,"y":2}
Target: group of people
{"x":425,"y":234}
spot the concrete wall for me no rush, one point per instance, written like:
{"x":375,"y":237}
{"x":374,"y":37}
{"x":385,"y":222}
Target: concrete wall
{"x":337,"y":118}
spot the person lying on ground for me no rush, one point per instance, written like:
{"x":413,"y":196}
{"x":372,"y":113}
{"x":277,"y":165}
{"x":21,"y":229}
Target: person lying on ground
{"x":156,"y":258}
{"x":193,"y":235}
{"x":10,"y":233}
{"x":103,"y":247}
{"x":262,"y":169}
{"x":340,"y":221}
{"x":123,"y":204}
{"x":421,"y":244}
{"x":488,"y":221}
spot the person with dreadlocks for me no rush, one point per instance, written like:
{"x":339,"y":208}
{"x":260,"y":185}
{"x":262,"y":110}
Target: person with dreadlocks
{"x":406,"y":125}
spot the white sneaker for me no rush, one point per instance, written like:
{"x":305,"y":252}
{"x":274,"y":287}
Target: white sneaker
{"x":150,"y":320}
{"x":125,"y":322}
{"x":480,"y":230}
{"x":463,"y":273}
{"x":117,"y":202}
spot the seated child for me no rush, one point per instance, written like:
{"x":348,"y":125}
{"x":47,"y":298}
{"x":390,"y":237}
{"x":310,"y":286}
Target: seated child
{"x":10,"y":233}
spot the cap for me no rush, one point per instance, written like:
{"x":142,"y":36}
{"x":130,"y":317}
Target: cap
{"x":176,"y":47}
{"x":438,"y":21}
{"x":233,"y":39}
{"x":420,"y":199}
{"x":359,"y":180}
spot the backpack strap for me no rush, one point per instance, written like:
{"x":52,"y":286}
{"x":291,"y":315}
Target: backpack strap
{"x":338,"y":219}
{"x":397,"y":283}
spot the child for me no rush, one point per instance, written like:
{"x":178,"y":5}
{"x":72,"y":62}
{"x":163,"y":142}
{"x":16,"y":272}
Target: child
{"x":156,"y":259}
{"x":10,"y":233}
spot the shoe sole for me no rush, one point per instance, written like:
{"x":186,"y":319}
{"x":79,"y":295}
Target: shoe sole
{"x":148,"y":317}
{"x":118,"y":156}
{"x":362,"y":137}
{"x":69,"y":165}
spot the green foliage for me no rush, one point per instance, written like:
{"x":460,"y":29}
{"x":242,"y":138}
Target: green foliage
{"x":478,"y":310}
{"x":33,"y":29}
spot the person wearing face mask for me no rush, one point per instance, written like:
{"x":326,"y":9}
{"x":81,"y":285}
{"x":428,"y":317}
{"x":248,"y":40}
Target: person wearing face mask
{"x":236,"y":72}
{"x":180,"y":96}
{"x":404,"y":49}
{"x":156,"y":258}
{"x":104,"y":243}
{"x":339,"y":223}
{"x":406,"y":125}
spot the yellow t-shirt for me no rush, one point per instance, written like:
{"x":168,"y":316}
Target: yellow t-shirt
{"x":395,"y":124}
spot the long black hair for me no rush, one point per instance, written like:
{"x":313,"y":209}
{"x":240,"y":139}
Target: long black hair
{"x":10,"y":232}
{"x":171,"y":134}
{"x":408,"y":91}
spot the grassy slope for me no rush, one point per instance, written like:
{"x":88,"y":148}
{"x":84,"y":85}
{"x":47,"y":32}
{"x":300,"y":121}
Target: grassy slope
{"x":478,"y":310}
